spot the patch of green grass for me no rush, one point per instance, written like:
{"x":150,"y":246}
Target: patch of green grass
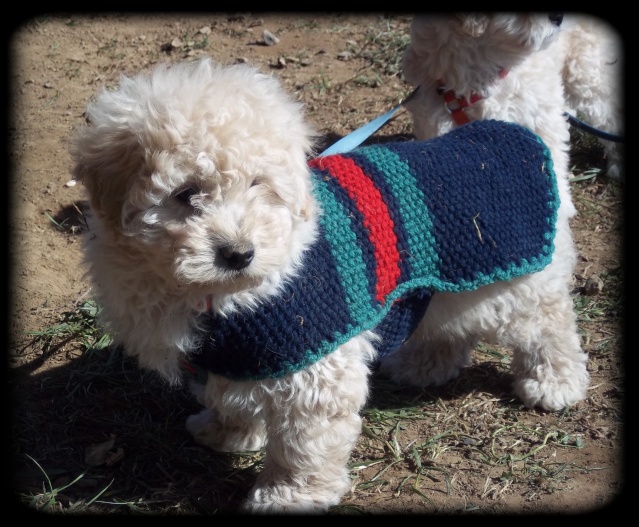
{"x":383,"y":48}
{"x":585,"y":175}
{"x":109,"y":48}
{"x":380,"y":50}
{"x":79,"y":325}
{"x":58,"y":225}
{"x":54,"y":499}
{"x":493,"y":353}
{"x":322,"y":84}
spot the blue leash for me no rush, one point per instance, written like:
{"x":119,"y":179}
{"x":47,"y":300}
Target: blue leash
{"x":357,"y":137}
{"x":577,"y":123}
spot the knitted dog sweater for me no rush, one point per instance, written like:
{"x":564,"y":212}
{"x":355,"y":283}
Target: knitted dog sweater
{"x":400,"y":221}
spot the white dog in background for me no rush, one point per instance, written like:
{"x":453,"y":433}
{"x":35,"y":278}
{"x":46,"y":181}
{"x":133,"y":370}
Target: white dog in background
{"x":525,"y":68}
{"x":202,"y":201}
{"x":522,"y":68}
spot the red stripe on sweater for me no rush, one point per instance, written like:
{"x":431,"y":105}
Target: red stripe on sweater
{"x":377,"y":220}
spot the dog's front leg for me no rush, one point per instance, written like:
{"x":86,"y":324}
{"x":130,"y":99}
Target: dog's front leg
{"x":313,"y":422}
{"x":231,"y":420}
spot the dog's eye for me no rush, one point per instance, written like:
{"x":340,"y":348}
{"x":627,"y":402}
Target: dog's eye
{"x":186,"y":194}
{"x":256,"y":182}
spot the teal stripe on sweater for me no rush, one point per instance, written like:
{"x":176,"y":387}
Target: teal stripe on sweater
{"x":346,"y":252}
{"x":423,"y":255}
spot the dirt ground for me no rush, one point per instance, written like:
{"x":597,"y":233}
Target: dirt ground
{"x":344,"y":68}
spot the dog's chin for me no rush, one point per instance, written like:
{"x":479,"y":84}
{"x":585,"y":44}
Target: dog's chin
{"x":211,"y":295}
{"x":231,"y":285}
{"x":544,"y":41}
{"x":214,"y":287}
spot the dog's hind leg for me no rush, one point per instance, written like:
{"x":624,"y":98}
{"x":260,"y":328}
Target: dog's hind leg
{"x":533,"y":316}
{"x":313,"y":425}
{"x":540,"y":325}
{"x":548,"y":363}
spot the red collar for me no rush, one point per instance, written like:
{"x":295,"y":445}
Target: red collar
{"x":456,"y":105}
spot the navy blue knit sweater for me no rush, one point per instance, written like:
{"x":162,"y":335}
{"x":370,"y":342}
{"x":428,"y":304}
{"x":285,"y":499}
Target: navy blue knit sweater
{"x":399,"y":222}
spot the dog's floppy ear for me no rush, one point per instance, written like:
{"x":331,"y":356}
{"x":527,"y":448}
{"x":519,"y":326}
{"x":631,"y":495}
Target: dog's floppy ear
{"x":109,"y":165}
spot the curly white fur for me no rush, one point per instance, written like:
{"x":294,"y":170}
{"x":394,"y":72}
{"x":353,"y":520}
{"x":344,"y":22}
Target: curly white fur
{"x":200,"y":193}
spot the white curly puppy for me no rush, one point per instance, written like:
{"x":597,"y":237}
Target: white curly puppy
{"x":528,"y":68}
{"x":214,"y":239}
{"x":520,"y":68}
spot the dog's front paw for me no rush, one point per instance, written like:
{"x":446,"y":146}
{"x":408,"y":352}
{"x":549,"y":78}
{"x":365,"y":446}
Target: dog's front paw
{"x":229,"y":436}
{"x":282,"y":499}
{"x":553,"y":393}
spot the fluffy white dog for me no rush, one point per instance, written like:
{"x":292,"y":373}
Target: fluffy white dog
{"x":219,"y":251}
{"x":519,"y":67}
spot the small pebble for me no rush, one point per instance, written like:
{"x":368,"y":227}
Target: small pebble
{"x":269,"y":38}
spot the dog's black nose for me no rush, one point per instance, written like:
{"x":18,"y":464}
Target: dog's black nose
{"x":556,"y":18}
{"x":235,"y":260}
